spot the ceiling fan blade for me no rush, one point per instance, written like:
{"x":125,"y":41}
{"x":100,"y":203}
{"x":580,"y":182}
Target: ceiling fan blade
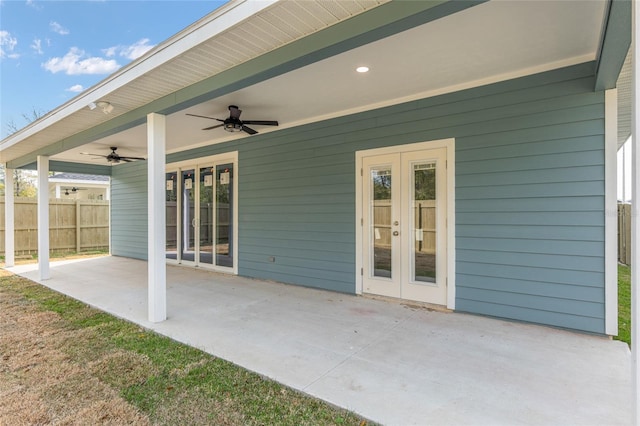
{"x":234,"y":112}
{"x":203,"y":116}
{"x":261,"y":122}
{"x":131,"y":158}
{"x":213,"y":127}
{"x":95,"y":155}
{"x":249,"y":130}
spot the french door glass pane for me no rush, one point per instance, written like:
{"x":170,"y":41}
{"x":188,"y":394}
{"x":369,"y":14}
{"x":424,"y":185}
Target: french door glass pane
{"x":224,"y":215}
{"x":380,"y":228}
{"x":424,"y":213}
{"x":171,"y":198}
{"x":206,"y":214}
{"x":188,"y":216}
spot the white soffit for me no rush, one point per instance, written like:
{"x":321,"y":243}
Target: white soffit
{"x":491,"y":42}
{"x":624,"y":86}
{"x":246,"y":28}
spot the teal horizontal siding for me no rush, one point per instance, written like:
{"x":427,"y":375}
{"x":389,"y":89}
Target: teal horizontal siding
{"x":529,"y":196}
{"x":533,"y":204}
{"x":532,"y":287}
{"x":523,"y":245}
{"x":129,"y":210}
{"x":556,"y":261}
{"x":527,"y":273}
{"x":524,"y":177}
{"x":535,"y":315}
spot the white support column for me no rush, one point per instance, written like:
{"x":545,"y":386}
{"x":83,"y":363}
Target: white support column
{"x":635,"y":226}
{"x":9,"y":216}
{"x":156,"y":136}
{"x":611,"y":213}
{"x":43,"y":217}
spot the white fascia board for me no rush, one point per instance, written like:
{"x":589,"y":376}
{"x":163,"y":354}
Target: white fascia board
{"x":222,"y":19}
{"x":77,"y":182}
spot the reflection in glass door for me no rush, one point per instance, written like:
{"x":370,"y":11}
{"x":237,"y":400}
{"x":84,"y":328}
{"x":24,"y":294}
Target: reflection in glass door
{"x":424,"y":220}
{"x":205,"y":221}
{"x":171,"y":199}
{"x":187,"y":246}
{"x":380,"y":227}
{"x":224,"y":215}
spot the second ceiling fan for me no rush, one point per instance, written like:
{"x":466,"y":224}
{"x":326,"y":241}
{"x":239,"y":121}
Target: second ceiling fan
{"x":234,"y":124}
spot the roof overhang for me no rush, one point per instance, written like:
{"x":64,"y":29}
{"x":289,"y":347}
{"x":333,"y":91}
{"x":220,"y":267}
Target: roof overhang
{"x":293,"y":69}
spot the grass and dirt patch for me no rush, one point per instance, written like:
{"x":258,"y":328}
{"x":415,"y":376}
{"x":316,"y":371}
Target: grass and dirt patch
{"x":624,"y":303}
{"x":64,"y":362}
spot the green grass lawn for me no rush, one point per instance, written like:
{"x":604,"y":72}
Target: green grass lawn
{"x":624,"y":304}
{"x":169,"y":382}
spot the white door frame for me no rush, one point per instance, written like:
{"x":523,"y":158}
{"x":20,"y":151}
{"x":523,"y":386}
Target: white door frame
{"x":195,"y":164}
{"x":449,"y":144}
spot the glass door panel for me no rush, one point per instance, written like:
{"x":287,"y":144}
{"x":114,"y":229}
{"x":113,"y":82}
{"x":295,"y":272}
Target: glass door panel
{"x":380,"y":226}
{"x":424,"y":220}
{"x":171,"y":199}
{"x":403,"y":223}
{"x":187,"y":246}
{"x":206,"y":215}
{"x":224,"y":215}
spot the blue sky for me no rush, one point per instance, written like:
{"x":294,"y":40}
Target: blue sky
{"x":52,"y":50}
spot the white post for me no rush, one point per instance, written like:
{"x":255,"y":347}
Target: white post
{"x":156,"y":136}
{"x":635,"y":226}
{"x":611,"y":213}
{"x":58,"y":191}
{"x":43,"y":216}
{"x":9,"y":223}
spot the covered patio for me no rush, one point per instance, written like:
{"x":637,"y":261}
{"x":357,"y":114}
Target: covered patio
{"x":393,"y":363}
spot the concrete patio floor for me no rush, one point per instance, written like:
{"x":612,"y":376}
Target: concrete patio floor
{"x":389,"y":362}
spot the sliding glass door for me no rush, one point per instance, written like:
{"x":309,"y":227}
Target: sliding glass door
{"x":201,"y":212}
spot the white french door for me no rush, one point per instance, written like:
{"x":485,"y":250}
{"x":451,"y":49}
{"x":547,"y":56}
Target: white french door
{"x":201,"y":212}
{"x":404,"y":220}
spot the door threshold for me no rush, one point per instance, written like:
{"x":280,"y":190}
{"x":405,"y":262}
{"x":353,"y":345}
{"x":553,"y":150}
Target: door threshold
{"x":411,"y":304}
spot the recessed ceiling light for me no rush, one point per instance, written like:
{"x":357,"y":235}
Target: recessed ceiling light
{"x":362,"y":69}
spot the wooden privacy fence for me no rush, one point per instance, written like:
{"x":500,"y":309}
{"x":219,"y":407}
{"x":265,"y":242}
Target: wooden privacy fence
{"x":624,"y":233}
{"x":74,"y":225}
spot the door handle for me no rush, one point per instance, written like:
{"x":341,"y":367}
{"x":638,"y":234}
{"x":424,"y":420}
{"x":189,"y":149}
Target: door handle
{"x":194,"y":222}
{"x":396,"y":233}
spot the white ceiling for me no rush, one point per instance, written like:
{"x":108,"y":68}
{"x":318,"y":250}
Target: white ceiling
{"x":490,"y":42}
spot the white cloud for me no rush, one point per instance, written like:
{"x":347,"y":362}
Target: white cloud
{"x":37,"y":46}
{"x":76,"y":62}
{"x":32,"y":3}
{"x":110,"y":51}
{"x":57,"y":28}
{"x":133,"y":51}
{"x":77,"y":88}
{"x":7,"y":45}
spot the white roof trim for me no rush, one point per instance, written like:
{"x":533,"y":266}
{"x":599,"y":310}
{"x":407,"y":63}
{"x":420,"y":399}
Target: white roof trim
{"x":213,"y":24}
{"x":76,"y":182}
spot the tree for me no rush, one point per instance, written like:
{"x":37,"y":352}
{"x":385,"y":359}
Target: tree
{"x":28,"y":117}
{"x":24,"y":180}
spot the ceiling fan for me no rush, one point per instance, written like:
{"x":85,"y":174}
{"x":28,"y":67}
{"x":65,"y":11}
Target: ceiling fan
{"x":234,"y":124}
{"x":73,"y":190}
{"x":114,"y":157}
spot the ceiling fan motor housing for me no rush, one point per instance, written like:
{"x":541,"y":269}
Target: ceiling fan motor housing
{"x":232,"y":125}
